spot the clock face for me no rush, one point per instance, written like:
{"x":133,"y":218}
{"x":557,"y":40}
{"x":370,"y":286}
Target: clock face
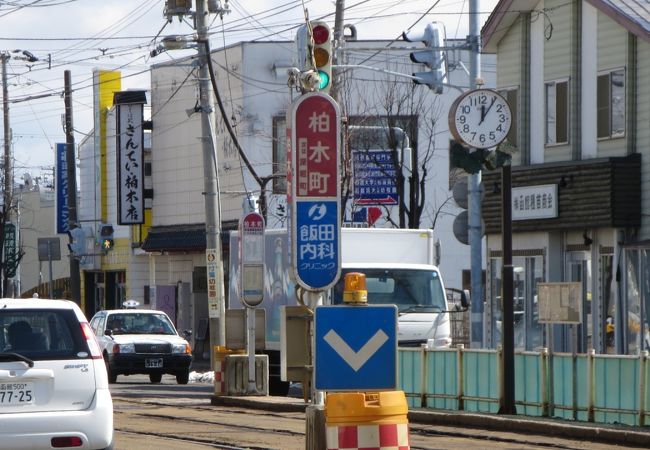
{"x":480,"y":118}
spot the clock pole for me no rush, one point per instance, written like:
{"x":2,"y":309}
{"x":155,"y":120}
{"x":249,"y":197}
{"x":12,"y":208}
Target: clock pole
{"x":474,"y":201}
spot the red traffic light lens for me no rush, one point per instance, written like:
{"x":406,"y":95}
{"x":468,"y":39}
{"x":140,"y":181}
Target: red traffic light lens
{"x":321,"y":34}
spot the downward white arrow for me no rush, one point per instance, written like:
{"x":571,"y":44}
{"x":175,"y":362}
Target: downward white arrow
{"x":356,"y":359}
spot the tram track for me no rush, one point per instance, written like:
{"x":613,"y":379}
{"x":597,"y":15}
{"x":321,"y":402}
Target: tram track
{"x":417,"y":432}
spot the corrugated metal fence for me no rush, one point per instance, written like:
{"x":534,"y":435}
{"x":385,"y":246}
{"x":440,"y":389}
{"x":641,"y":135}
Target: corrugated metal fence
{"x":583,"y":387}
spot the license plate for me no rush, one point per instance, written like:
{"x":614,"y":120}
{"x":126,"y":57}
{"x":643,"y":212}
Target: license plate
{"x":153,"y":363}
{"x":16,"y":394}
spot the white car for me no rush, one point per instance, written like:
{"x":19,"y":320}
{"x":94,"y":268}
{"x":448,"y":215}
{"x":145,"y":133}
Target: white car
{"x":141,"y":341}
{"x":54,"y":390}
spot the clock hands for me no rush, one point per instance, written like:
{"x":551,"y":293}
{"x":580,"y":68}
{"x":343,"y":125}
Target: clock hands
{"x":484,"y":111}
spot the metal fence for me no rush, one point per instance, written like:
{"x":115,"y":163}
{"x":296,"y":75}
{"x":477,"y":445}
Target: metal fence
{"x":582,"y":387}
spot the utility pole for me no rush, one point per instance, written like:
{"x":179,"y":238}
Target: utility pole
{"x":6,"y":205}
{"x":474,"y":193}
{"x":217,"y":313}
{"x":339,"y":42}
{"x":75,"y":277}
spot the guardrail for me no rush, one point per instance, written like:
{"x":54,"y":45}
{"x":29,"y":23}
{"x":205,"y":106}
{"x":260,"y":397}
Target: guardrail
{"x":582,"y":387}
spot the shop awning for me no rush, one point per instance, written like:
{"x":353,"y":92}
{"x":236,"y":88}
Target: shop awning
{"x":186,"y":238}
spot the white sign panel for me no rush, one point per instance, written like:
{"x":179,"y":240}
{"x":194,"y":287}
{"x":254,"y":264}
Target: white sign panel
{"x":130,"y":164}
{"x":251,"y":241}
{"x":560,"y":302}
{"x":534,"y":202}
{"x":213,"y":300}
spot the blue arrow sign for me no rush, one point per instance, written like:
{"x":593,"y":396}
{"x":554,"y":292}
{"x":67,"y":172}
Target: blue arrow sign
{"x":356,"y":347}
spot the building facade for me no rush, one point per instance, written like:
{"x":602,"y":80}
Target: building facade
{"x":576,"y":74}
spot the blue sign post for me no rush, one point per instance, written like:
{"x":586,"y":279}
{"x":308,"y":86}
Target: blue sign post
{"x":356,"y":348}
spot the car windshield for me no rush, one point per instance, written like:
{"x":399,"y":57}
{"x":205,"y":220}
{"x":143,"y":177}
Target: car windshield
{"x":411,"y":290}
{"x":139,"y":323}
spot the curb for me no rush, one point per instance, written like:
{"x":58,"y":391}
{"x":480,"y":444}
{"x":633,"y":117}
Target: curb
{"x":614,"y":434}
{"x":263,"y":403}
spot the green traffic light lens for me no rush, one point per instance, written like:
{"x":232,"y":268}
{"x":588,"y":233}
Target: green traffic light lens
{"x":324,"y":80}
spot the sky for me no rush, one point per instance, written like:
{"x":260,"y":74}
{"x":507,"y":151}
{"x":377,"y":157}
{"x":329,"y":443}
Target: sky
{"x":82,"y":35}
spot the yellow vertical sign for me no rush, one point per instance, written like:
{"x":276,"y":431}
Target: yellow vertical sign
{"x":105,"y":84}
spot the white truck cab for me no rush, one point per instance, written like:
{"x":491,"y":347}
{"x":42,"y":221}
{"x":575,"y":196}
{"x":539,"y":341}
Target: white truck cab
{"x":399,"y":265}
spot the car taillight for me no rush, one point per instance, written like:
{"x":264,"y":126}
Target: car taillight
{"x":66,"y":441}
{"x":93,"y":346}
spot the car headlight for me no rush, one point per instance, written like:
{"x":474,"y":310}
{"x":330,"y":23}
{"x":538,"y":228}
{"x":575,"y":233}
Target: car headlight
{"x":181,"y":348}
{"x":124,"y":348}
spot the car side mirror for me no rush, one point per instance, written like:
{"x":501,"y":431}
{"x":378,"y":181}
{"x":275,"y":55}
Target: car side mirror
{"x":108,"y":332}
{"x":459,"y":295}
{"x":465,"y":299}
{"x":187,"y":334}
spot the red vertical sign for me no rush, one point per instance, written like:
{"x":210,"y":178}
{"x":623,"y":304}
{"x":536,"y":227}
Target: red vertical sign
{"x":316,"y":147}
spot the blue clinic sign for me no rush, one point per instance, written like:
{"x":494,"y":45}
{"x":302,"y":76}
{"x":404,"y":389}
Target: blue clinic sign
{"x":61,"y":188}
{"x":317,"y":242}
{"x":356,"y":347}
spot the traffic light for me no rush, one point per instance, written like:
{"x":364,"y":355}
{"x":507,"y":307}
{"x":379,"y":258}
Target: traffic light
{"x":314,"y":45}
{"x":322,"y":54}
{"x":478,"y":159}
{"x":77,"y":244}
{"x":433,"y":57}
{"x":106,"y":237}
{"x":461,"y":158}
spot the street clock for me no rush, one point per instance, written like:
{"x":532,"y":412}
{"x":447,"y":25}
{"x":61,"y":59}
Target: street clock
{"x":480,"y":118}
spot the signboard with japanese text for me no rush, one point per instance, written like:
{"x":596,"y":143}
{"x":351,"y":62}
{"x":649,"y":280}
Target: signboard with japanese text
{"x":314,"y":200}
{"x":375,"y":177}
{"x":251,"y":250}
{"x":211,"y":267}
{"x":317,"y":255}
{"x":534,"y":202}
{"x":130,"y":164}
{"x":61,"y":184}
{"x":315,"y":146}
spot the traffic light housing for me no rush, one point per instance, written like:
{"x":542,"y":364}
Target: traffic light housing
{"x":77,"y":244}
{"x":314,"y":46}
{"x":433,"y":56}
{"x":106,"y":237}
{"x":321,"y":37}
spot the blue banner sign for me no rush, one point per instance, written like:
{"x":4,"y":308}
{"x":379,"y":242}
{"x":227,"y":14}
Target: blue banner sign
{"x":61,"y":187}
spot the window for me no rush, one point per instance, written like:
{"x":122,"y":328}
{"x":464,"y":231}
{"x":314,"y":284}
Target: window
{"x":409,"y":289}
{"x":279,"y":154}
{"x":512,"y":97}
{"x":41,"y":334}
{"x":611,"y":104}
{"x":557,"y":112}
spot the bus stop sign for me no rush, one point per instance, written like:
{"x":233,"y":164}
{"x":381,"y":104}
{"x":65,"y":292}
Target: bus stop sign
{"x":251,"y":251}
